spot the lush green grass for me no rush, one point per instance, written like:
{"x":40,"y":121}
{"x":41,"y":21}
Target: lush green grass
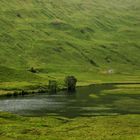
{"x":119,"y":122}
{"x":71,"y":37}
{"x":58,"y":128}
{"x":83,"y":38}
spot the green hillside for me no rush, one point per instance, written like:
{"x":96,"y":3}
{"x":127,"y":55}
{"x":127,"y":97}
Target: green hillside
{"x":97,"y":41}
{"x":83,"y":38}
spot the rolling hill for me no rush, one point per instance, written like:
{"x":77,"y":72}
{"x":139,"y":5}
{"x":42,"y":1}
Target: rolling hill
{"x":83,"y":38}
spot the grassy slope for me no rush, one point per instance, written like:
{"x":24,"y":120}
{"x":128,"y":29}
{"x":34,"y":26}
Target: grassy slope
{"x":69,"y":37}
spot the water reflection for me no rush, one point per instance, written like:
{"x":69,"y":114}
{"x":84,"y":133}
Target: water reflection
{"x":80,"y":103}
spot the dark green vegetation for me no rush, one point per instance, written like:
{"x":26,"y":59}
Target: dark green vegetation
{"x":104,"y":112}
{"x":52,"y":86}
{"x":70,"y":82}
{"x":75,"y":37}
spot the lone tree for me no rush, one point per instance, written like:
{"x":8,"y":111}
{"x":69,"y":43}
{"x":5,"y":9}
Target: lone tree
{"x":33,"y":70}
{"x":52,"y":86}
{"x":70,"y":82}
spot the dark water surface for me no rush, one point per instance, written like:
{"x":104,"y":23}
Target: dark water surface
{"x":81,"y":103}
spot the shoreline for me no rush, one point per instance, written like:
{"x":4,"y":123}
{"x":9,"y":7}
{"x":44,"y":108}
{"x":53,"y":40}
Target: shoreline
{"x":23,"y":92}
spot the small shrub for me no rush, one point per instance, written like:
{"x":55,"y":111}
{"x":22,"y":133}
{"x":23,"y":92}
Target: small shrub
{"x":52,"y":86}
{"x":33,"y":70}
{"x":70,"y":82}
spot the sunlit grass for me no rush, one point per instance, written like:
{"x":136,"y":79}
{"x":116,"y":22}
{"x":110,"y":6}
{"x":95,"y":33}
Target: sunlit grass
{"x":59,"y":128}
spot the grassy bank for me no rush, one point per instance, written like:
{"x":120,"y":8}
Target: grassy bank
{"x":120,"y":127}
{"x":84,"y":79}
